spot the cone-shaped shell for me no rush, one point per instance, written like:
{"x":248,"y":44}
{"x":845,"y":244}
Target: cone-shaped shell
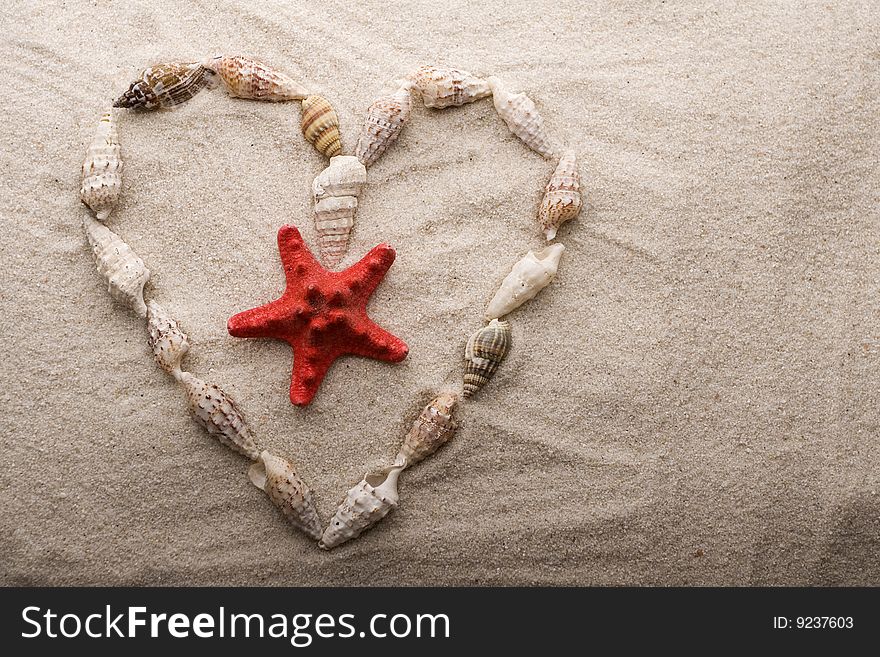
{"x":216,"y":412}
{"x":483,"y":354}
{"x":434,"y":427}
{"x":250,"y":78}
{"x":335,"y":191}
{"x":448,"y":87}
{"x":522,"y":118}
{"x":102,"y":169}
{"x":383,"y":123}
{"x":124,"y":272}
{"x":168,"y":342}
{"x":165,"y":85}
{"x":288,"y":492}
{"x":320,"y":125}
{"x":528,"y":277}
{"x":562,"y":197}
{"x":345,"y":176}
{"x":364,"y":505}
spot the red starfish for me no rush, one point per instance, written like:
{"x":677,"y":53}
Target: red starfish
{"x":322,"y":314}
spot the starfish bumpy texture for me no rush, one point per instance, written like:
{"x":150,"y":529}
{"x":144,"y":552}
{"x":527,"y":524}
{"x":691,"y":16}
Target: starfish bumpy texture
{"x":322,"y":314}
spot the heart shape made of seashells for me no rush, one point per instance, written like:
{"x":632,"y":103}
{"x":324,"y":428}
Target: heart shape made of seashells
{"x":335,"y":192}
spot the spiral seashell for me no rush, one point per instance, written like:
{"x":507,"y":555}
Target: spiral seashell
{"x":447,"y":87}
{"x":522,"y":118}
{"x":168,"y":342}
{"x":166,"y":85}
{"x":528,"y":277}
{"x":277,"y":478}
{"x":562,"y":197}
{"x":483,"y":354}
{"x":364,"y":505}
{"x":434,"y":427}
{"x":383,"y":123}
{"x":320,"y":125}
{"x":250,"y":78}
{"x":102,"y":169}
{"x":335,"y":191}
{"x":216,"y":412}
{"x":125,"y":273}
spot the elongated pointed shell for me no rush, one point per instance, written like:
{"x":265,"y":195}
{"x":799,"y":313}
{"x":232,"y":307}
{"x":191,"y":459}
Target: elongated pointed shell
{"x":320,"y":125}
{"x":247,"y":77}
{"x":522,"y":118}
{"x":483,"y":354}
{"x":124,"y":272}
{"x":364,"y":505}
{"x":562,"y":197}
{"x":102,"y":169}
{"x":383,"y":123}
{"x":165,"y":85}
{"x":448,"y":87}
{"x":216,"y":412}
{"x":528,"y":277}
{"x":288,"y":492}
{"x":335,"y":191}
{"x":168,"y":342}
{"x":434,"y":427}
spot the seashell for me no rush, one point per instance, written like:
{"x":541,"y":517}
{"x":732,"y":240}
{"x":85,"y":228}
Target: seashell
{"x":247,"y":77}
{"x":102,"y":169}
{"x":277,"y":478}
{"x":522,"y":117}
{"x":383,"y":123}
{"x":562,"y":197}
{"x":528,"y":277}
{"x":447,"y":87}
{"x":217,"y":413}
{"x":335,"y":191}
{"x":126,"y":274}
{"x":364,"y":505}
{"x":433,"y":428}
{"x":166,"y":85}
{"x":320,"y":125}
{"x":483,"y":354}
{"x":168,"y":342}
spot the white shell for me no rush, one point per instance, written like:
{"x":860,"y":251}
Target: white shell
{"x":277,"y":477}
{"x":562,"y":196}
{"x":102,"y":169}
{"x":335,"y":191}
{"x":125,"y":273}
{"x":216,"y":412}
{"x":365,"y":505}
{"x":168,"y":342}
{"x":448,"y":87}
{"x":522,"y":118}
{"x":383,"y":123}
{"x":528,"y":277}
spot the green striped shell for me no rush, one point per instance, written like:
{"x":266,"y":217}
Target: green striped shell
{"x":484,"y":353}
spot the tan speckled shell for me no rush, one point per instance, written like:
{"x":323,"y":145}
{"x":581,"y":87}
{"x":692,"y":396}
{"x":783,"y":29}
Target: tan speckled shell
{"x":102,"y":169}
{"x":522,"y":118}
{"x":168,"y":342}
{"x":433,"y":428}
{"x":320,"y":125}
{"x":364,"y":505}
{"x":278,"y":479}
{"x":335,"y":192}
{"x":250,"y":78}
{"x":124,"y":272}
{"x":448,"y":87}
{"x":483,"y":354}
{"x":383,"y":123}
{"x":562,"y":197}
{"x":216,"y":412}
{"x":529,"y":276}
{"x":165,"y":85}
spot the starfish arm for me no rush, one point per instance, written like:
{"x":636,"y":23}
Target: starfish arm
{"x":310,"y":365}
{"x":261,"y":322}
{"x":296,"y":258}
{"x":379,"y":344}
{"x":369,"y":271}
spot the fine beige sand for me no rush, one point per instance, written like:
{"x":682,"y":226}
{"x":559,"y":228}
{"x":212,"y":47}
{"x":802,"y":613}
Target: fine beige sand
{"x":694,"y":400}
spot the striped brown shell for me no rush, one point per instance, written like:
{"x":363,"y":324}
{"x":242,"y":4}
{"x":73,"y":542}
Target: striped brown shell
{"x":562,"y":197}
{"x":433,"y":428}
{"x":165,"y":85}
{"x":253,"y":79}
{"x":320,"y":125}
{"x":483,"y":354}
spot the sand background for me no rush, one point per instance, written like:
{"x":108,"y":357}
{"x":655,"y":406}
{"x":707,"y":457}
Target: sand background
{"x":694,"y":400}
